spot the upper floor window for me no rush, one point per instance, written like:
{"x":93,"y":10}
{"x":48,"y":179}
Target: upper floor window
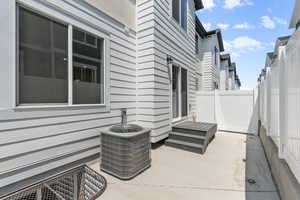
{"x":196,"y":44}
{"x":179,"y":12}
{"x":216,"y":54}
{"x":45,"y":68}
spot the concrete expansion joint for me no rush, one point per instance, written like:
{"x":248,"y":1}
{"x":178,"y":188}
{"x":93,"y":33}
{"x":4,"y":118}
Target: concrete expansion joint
{"x":192,"y":187}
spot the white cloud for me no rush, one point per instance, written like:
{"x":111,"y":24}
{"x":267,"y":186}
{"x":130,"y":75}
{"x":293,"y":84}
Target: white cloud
{"x":270,"y":22}
{"x":242,"y":44}
{"x":235,"y":55}
{"x":248,"y":3}
{"x":267,"y":22}
{"x":269,"y":10}
{"x":246,"y":43}
{"x":207,"y":26}
{"x":280,"y":20}
{"x":223,"y":26}
{"x":230,"y":4}
{"x":208,"y":4}
{"x":244,"y":25}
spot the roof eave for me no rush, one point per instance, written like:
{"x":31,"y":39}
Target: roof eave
{"x":220,"y":38}
{"x":200,"y":28}
{"x":198,"y":4}
{"x":226,"y":57}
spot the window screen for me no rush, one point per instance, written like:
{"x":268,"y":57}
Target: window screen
{"x":184,"y":14}
{"x":43,"y":65}
{"x":88,"y":69}
{"x":176,"y":10}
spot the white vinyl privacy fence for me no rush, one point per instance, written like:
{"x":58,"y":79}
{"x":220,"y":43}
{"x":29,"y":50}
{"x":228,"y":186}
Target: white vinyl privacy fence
{"x":279,"y":98}
{"x":234,"y":111}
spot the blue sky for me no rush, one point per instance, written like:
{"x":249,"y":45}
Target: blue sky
{"x":250,"y":29}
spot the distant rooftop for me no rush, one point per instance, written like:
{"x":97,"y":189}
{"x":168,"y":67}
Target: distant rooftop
{"x":282,"y":41}
{"x":220,"y":38}
{"x":203,"y":33}
{"x":232,"y":67}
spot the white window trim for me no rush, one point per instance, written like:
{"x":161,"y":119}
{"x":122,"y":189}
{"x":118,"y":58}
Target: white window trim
{"x":180,"y":117}
{"x":70,"y":65}
{"x":70,"y":21}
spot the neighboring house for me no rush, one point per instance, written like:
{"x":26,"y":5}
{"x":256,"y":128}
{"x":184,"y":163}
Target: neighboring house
{"x":269,"y":77}
{"x":224,"y":72}
{"x":200,"y":36}
{"x":272,"y":56}
{"x":69,"y":66}
{"x":209,"y":58}
{"x":213,"y":70}
{"x":278,"y":90}
{"x":281,"y":41}
{"x":269,"y":59}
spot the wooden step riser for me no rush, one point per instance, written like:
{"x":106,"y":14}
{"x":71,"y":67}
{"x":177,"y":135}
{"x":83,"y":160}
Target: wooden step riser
{"x":187,"y":139}
{"x":188,"y":131}
{"x":186,"y":148}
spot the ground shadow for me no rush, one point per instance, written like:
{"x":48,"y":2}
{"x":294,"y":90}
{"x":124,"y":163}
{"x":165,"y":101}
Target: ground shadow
{"x":258,"y":179}
{"x":253,"y":124}
{"x":157,"y":145}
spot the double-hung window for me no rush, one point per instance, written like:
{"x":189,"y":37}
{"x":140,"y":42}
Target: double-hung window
{"x":179,"y":12}
{"x":53,"y":71}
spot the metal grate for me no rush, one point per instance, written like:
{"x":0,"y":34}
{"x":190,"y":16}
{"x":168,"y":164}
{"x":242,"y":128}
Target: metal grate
{"x":81,"y":183}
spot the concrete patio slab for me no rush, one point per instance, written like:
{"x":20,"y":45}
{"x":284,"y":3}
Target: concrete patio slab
{"x":221,"y":173}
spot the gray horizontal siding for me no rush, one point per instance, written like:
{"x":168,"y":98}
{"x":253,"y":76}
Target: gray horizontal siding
{"x":207,"y":71}
{"x":34,"y":141}
{"x":145,"y":63}
{"x":165,"y":38}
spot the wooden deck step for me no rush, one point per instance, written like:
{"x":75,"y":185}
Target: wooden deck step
{"x":189,"y":131}
{"x":192,"y":136}
{"x":188,"y":146}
